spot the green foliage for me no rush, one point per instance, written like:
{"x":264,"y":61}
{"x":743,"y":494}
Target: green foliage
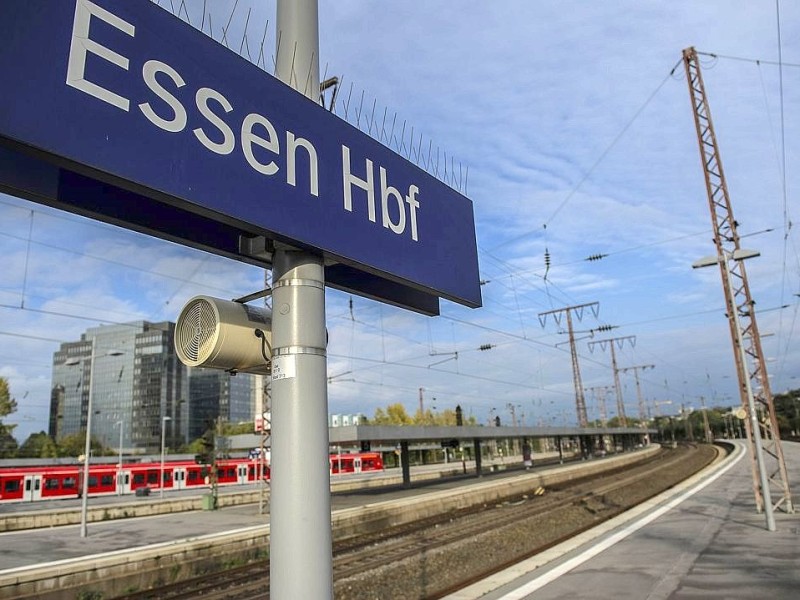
{"x":195,"y":446}
{"x":74,"y":445}
{"x":238,"y":428}
{"x":204,"y":448}
{"x":38,"y":445}
{"x":7,"y":404}
{"x":787,"y":411}
{"x":395,"y":414}
{"x":8,"y":445}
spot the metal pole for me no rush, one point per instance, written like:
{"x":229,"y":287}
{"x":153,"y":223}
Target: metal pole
{"x":87,"y":447}
{"x":751,"y":409}
{"x":119,"y":465}
{"x":163,"y":439}
{"x":300,"y":518}
{"x":301,"y":562}
{"x":617,"y":388}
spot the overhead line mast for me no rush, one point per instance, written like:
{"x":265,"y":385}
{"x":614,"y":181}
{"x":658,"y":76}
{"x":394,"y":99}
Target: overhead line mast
{"x":580,"y":400}
{"x":600,"y":392}
{"x":642,"y":405}
{"x":623,"y":421}
{"x":739,"y":304}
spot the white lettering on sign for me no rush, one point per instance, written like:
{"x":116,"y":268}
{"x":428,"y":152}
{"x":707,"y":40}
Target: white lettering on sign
{"x":178,"y":122}
{"x":249,"y":138}
{"x":81,"y":44}
{"x":349,"y":180}
{"x":256,"y":133}
{"x":201,"y":99}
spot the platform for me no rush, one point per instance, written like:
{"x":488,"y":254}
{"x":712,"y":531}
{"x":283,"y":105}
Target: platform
{"x":702,"y":539}
{"x":34,"y":547}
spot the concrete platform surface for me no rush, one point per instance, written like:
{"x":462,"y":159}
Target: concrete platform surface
{"x":701,"y":540}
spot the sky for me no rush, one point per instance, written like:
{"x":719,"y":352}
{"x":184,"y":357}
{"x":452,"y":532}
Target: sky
{"x":571,"y":128}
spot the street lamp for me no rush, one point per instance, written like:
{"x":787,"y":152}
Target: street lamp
{"x":88,"y":446}
{"x":163,"y":438}
{"x":722,"y":261}
{"x":121,"y":425}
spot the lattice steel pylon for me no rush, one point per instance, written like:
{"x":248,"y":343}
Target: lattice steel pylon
{"x":623,"y":420}
{"x":739,"y":304}
{"x":640,"y":398}
{"x":600,"y":392}
{"x":580,"y":400}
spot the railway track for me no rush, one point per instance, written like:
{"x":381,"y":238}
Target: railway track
{"x":600,"y":497}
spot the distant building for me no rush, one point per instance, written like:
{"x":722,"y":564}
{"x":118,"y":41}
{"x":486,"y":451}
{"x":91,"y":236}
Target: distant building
{"x":136,"y":380}
{"x":214,"y":393}
{"x":139,"y":384}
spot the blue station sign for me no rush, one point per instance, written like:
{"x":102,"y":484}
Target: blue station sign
{"x":123,"y":112}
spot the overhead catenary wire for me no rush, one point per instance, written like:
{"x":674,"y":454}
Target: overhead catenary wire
{"x":512,"y":273}
{"x":787,"y":224}
{"x":597,"y":162}
{"x":748,"y":59}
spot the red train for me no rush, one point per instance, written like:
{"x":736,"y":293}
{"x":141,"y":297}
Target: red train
{"x":21,"y":484}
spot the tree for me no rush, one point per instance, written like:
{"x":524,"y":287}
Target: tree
{"x":74,"y":445}
{"x":38,"y":445}
{"x":787,"y":411}
{"x":8,"y":405}
{"x":8,"y":443}
{"x":423,"y":418}
{"x":395,"y":414}
{"x":237,"y":428}
{"x":196,"y":446}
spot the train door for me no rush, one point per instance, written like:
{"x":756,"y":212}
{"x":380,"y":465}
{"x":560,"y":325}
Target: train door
{"x":124,"y":482}
{"x":357,"y":464}
{"x":180,"y":478}
{"x":32,"y":487}
{"x":241,"y":472}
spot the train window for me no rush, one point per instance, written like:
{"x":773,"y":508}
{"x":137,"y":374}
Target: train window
{"x":193,"y":476}
{"x":231,"y":472}
{"x":106,"y":480}
{"x":167,"y":476}
{"x":51,"y":483}
{"x":138,"y":478}
{"x":92,"y":480}
{"x":68,"y":483}
{"x":252,"y":472}
{"x":11,"y":485}
{"x":152,"y":477}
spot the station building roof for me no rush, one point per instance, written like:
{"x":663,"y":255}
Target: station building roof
{"x":414,"y":433}
{"x":410,"y":433}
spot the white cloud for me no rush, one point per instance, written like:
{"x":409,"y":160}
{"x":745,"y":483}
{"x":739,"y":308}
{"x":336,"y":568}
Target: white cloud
{"x":529,"y":96}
